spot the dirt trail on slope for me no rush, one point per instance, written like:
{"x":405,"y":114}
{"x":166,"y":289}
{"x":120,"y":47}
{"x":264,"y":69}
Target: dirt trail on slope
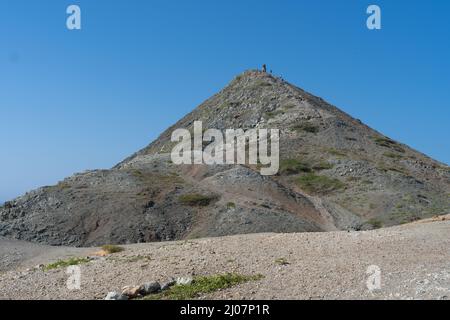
{"x":414,"y":261}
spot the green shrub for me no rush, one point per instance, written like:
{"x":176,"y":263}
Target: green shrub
{"x":203,"y":285}
{"x":281,"y":261}
{"x":289,"y":106}
{"x":393,"y":155}
{"x":226,"y":104}
{"x":262,"y":83}
{"x":66,"y":263}
{"x":149,"y":178}
{"x":383,"y":141}
{"x":388,"y":143}
{"x":385,"y":168}
{"x":307,"y":127}
{"x":319,"y":184}
{"x":375,"y":223}
{"x":231,"y":205}
{"x":110,"y":248}
{"x":323,"y":165}
{"x":293,"y":166}
{"x":62,"y":185}
{"x":273,"y":114}
{"x":196,"y":199}
{"x":335,"y":152}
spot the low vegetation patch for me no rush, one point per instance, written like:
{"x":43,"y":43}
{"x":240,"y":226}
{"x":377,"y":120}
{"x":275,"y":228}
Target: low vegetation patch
{"x":289,"y":106}
{"x":149,"y":178}
{"x":323,"y":165}
{"x":203,"y":285}
{"x":307,"y":127}
{"x":273,"y":114}
{"x":231,"y":205}
{"x":392,"y":155}
{"x":61,"y":186}
{"x":375,"y":223}
{"x":385,"y":168}
{"x":227,"y":104}
{"x":319,"y":184}
{"x":262,"y":83}
{"x":196,"y":199}
{"x":65,"y":263}
{"x":388,"y":143}
{"x":293,"y":166}
{"x":110,"y":248}
{"x":335,"y":152}
{"x":281,"y":261}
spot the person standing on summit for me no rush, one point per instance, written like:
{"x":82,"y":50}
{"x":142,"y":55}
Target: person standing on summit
{"x":264,"y":68}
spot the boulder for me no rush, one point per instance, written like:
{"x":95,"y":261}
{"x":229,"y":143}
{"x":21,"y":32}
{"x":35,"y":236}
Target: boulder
{"x":131,"y":291}
{"x":168,"y":284}
{"x":149,"y":288}
{"x":115,"y":296}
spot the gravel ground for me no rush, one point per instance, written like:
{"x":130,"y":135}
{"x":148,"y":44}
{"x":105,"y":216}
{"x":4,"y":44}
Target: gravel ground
{"x":21,"y":254}
{"x":414,"y":261}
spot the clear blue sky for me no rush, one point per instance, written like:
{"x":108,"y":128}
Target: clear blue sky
{"x":76,"y":100}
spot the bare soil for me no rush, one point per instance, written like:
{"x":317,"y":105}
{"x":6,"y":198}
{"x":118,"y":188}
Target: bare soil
{"x":414,"y":260}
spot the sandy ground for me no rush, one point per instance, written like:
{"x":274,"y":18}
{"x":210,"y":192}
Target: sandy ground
{"x":414,"y":261}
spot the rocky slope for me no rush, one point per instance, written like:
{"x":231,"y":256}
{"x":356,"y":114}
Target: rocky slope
{"x":336,"y":174}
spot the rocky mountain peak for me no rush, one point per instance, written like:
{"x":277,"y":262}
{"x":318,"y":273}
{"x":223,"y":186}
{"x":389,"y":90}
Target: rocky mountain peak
{"x":335,"y":174}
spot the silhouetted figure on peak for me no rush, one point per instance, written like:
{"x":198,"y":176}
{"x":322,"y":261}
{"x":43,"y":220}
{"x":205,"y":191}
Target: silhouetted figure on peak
{"x":264,"y":68}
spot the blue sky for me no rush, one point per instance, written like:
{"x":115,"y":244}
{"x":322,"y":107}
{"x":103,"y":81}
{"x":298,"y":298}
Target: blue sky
{"x":76,"y":100}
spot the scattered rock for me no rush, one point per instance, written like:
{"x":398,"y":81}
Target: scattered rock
{"x":184,"y":280}
{"x":131,"y":291}
{"x":115,"y":296}
{"x":149,"y":288}
{"x":168,"y":284}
